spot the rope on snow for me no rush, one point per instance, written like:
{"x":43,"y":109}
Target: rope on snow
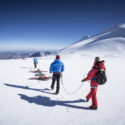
{"x":70,"y":93}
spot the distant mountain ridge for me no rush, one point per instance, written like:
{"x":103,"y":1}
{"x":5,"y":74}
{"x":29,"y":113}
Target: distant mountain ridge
{"x":111,"y":40}
{"x":9,"y":54}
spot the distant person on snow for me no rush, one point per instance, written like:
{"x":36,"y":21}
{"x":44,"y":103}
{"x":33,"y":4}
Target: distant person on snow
{"x":92,"y":75}
{"x":35,"y":60}
{"x":57,"y":67}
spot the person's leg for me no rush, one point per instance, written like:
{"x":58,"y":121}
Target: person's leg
{"x":89,"y":96}
{"x":58,"y":84}
{"x":94,"y":97}
{"x":90,"y":93}
{"x":53,"y":82}
{"x":34,"y":65}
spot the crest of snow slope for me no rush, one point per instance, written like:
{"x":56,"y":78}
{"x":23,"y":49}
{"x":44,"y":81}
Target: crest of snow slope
{"x":111,"y":40}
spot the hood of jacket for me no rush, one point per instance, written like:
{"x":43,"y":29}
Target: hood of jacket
{"x":99,"y":64}
{"x":57,"y":60}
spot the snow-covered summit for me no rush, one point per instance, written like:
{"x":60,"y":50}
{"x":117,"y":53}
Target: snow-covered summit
{"x":111,"y":40}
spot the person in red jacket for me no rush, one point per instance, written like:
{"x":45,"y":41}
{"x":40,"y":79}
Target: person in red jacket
{"x":94,"y":85}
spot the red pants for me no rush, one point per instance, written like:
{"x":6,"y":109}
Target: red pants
{"x":92,"y":95}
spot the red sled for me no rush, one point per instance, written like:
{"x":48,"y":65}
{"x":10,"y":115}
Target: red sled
{"x":37,"y":71}
{"x":40,"y":78}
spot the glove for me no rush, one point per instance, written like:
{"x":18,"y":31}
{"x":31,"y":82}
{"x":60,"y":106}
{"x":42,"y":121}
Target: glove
{"x":83,"y":80}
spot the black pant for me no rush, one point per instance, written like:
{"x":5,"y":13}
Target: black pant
{"x":56,"y":77}
{"x":35,"y":65}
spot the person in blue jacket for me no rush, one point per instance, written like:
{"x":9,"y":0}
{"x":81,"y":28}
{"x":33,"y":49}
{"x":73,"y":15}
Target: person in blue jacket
{"x":57,"y":67}
{"x":35,"y":60}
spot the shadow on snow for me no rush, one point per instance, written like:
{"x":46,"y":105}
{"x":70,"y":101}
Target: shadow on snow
{"x":46,"y":101}
{"x":28,"y":88}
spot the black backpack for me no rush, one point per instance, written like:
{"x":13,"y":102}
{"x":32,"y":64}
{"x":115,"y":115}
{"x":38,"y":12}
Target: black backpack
{"x":101,"y":77}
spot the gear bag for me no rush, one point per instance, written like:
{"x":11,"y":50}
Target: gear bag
{"x":101,"y":77}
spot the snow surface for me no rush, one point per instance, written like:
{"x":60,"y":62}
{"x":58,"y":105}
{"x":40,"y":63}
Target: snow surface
{"x":31,"y":102}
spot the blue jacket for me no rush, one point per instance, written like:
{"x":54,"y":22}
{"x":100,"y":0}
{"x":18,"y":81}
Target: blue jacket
{"x":56,"y":66}
{"x":35,"y":60}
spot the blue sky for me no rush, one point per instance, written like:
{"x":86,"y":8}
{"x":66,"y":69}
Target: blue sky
{"x":55,"y":24}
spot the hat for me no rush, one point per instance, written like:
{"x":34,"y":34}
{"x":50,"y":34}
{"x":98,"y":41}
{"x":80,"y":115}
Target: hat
{"x":97,"y":59}
{"x":57,"y":56}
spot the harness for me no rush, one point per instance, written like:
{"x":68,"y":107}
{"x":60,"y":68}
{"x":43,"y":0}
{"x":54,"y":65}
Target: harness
{"x":93,"y":87}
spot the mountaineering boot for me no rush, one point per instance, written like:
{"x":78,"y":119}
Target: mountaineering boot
{"x":87,"y":99}
{"x":94,"y":108}
{"x":51,"y":88}
{"x":57,"y":92}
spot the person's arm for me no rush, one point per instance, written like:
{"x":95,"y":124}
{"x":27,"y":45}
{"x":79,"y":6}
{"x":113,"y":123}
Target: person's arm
{"x":51,"y":68}
{"x":62,"y":69}
{"x":90,"y":75}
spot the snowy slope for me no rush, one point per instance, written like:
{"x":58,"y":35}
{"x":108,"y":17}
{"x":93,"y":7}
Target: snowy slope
{"x":109,"y":41}
{"x":31,"y":102}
